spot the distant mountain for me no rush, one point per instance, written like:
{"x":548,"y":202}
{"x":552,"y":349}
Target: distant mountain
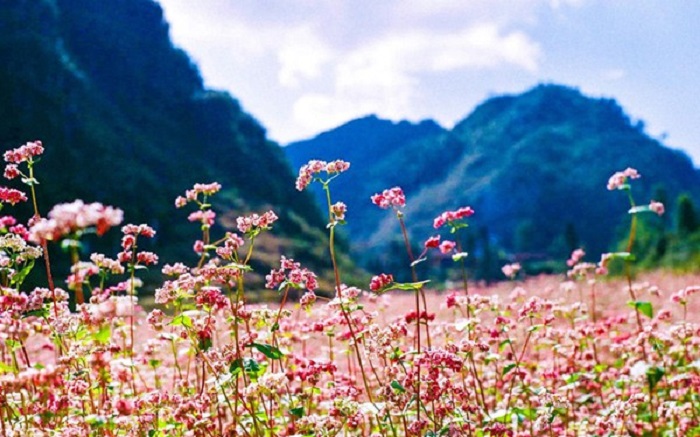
{"x":534,"y":166}
{"x":126,"y":120}
{"x":376,"y":149}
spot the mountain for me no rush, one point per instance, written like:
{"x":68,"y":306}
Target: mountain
{"x":534,"y":166}
{"x":126,"y":120}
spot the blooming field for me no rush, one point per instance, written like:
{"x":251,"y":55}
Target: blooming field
{"x":581,"y":355}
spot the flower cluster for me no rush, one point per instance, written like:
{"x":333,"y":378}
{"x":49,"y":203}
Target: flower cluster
{"x":11,"y":196}
{"x":390,"y":198}
{"x":380,"y":282}
{"x":70,"y":218}
{"x":619,"y":179}
{"x":24,"y":153}
{"x":308,"y":171}
{"x":193,"y":194}
{"x":452,"y":216}
{"x":255,"y":222}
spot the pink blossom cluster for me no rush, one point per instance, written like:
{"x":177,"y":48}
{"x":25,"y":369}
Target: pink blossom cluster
{"x":205,"y":217}
{"x":256,"y":222}
{"x":338,"y":210}
{"x":681,"y":296}
{"x":390,"y":198}
{"x":315,"y":166}
{"x":129,"y":253}
{"x":291,"y":273}
{"x":576,"y":256}
{"x":619,"y":179}
{"x":511,"y":270}
{"x":452,"y":216}
{"x":447,"y":246}
{"x":68,"y":218}
{"x":24,"y":153}
{"x":380,"y":282}
{"x":657,"y":207}
{"x":11,"y":196}
{"x":193,"y":194}
{"x":232,"y":243}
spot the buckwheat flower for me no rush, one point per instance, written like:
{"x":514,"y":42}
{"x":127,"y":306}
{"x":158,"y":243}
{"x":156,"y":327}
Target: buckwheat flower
{"x":337,"y":166}
{"x":307,"y":172}
{"x":198,"y":247}
{"x":452,"y":216}
{"x":176,"y":269}
{"x":576,"y":256}
{"x":11,"y":171}
{"x":390,"y":198}
{"x":307,"y":299}
{"x":107,"y":264}
{"x":141,"y":229}
{"x":380,"y":282}
{"x":511,"y":270}
{"x":146,"y":258}
{"x":12,"y":196}
{"x":432,"y":242}
{"x":180,"y":202}
{"x":619,"y":179}
{"x":447,"y":246}
{"x":24,"y":153}
{"x":205,"y":217}
{"x":657,"y":207}
{"x":256,"y":222}
{"x":339,"y":209}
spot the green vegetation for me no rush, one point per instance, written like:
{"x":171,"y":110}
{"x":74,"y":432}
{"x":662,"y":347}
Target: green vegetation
{"x":126,"y":121}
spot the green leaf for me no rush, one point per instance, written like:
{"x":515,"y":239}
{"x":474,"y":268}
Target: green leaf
{"x":408,"y":286}
{"x":182,"y":320}
{"x":654,"y":375}
{"x":205,"y":344}
{"x":269,"y":351}
{"x":238,"y":266}
{"x":18,"y":278}
{"x":626,"y":256}
{"x":459,"y":256}
{"x":5,"y":368}
{"x":638,"y":209}
{"x":396,"y":385}
{"x":503,"y":344}
{"x":643,"y":307}
{"x":297,"y":412}
{"x":103,"y":335}
{"x":508,"y":368}
{"x":42,"y":312}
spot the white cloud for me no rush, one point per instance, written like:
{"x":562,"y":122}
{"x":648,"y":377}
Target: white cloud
{"x":301,"y":55}
{"x":614,"y":74}
{"x":384,"y":76}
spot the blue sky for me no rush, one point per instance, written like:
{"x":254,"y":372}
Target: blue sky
{"x":301,"y":67}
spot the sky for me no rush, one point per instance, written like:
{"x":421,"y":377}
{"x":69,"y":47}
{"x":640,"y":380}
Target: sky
{"x":305,"y":66}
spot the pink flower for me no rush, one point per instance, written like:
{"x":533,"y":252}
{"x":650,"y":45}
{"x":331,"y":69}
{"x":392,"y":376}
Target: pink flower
{"x":657,"y":207}
{"x":137,"y":230}
{"x":12,"y":196}
{"x":67,"y":218}
{"x":11,"y":171}
{"x":307,"y":171}
{"x":576,"y":256}
{"x":256,"y":222}
{"x":24,"y":153}
{"x":432,"y":242}
{"x":205,"y":217}
{"x":511,"y":270}
{"x":619,"y":179}
{"x":452,"y":216}
{"x":447,"y":246}
{"x":339,"y":209}
{"x":380,"y":282}
{"x":393,"y":197}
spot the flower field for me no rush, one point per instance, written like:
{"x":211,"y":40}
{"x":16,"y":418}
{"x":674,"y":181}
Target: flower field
{"x":581,"y":355}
